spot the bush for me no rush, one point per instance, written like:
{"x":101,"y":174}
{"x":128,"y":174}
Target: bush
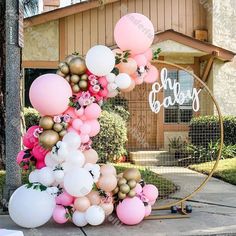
{"x":31,"y":117}
{"x":205,"y":129}
{"x":110,"y":142}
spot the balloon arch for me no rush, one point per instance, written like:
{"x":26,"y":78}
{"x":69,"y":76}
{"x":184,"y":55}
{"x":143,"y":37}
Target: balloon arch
{"x":65,"y":182}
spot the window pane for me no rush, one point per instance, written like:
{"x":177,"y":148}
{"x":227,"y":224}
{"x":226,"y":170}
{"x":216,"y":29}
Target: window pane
{"x":171,"y":115}
{"x":186,"y":115}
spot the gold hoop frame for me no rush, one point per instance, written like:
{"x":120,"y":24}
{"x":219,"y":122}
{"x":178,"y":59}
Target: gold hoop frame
{"x":180,"y":202}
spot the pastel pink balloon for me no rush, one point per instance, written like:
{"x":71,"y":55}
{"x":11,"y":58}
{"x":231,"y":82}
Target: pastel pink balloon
{"x":83,"y":117}
{"x":148,"y":210}
{"x":93,"y":111}
{"x":103,"y":82}
{"x":71,"y":112}
{"x":138,"y":189}
{"x":49,"y":94}
{"x":59,"y":215}
{"x":137,"y":80}
{"x":40,"y":165}
{"x":39,"y":152}
{"x":91,"y":156}
{"x":103,"y":92}
{"x":151,"y":192}
{"x":29,"y":140}
{"x":128,"y":67}
{"x":141,"y":60}
{"x":77,"y":124}
{"x":148,"y":54}
{"x":108,"y":169}
{"x":152,"y":75}
{"x":131,"y":211}
{"x":85,"y":129}
{"x":134,"y":32}
{"x":95,"y":127}
{"x":64,"y":199}
{"x":84,"y":138}
{"x":71,"y":129}
{"x":79,"y":112}
{"x":152,"y":202}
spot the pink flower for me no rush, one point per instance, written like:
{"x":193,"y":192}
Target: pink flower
{"x":67,"y":118}
{"x":57,"y":119}
{"x":87,"y":102}
{"x":92,"y":99}
{"x":96,"y":88}
{"x":93,"y":82}
{"x":86,"y":95}
{"x":37,"y":132}
{"x":107,"y":199}
{"x":92,"y":77}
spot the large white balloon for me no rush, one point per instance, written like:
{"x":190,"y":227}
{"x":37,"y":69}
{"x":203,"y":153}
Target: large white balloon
{"x":30,"y":208}
{"x":95,"y":215}
{"x":72,"y":140}
{"x":100,"y":60}
{"x":78,"y":219}
{"x":123,"y":81}
{"x":76,"y":157}
{"x":46,"y":176}
{"x":110,"y":77}
{"x":34,"y":176}
{"x":59,"y":176}
{"x":78,"y":182}
{"x":50,"y":161}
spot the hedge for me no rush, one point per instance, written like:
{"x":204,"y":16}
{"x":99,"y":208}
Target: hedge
{"x":31,"y":117}
{"x":205,"y":129}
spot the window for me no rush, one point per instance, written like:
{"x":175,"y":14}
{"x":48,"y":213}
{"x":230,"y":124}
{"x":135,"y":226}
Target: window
{"x":179,"y":113}
{"x":30,"y":75}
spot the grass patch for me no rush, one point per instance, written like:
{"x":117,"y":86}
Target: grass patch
{"x":225,"y":171}
{"x":164,"y":186}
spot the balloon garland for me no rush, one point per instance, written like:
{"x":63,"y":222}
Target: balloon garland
{"x":65,"y":182}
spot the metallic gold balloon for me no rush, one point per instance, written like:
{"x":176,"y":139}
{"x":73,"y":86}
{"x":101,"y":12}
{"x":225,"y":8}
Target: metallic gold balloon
{"x":64,"y":68}
{"x":83,"y":84}
{"x":69,"y":58}
{"x":63,"y":133}
{"x":132,"y":193}
{"x":46,"y":122}
{"x":74,"y":79}
{"x":116,"y":190}
{"x":124,"y":188}
{"x":57,"y":127}
{"x":76,"y":88}
{"x":67,"y":78}
{"x":122,"y":181}
{"x":132,"y":183}
{"x":59,"y":72}
{"x":132,"y":173}
{"x":121,"y":195}
{"x":48,"y":138}
{"x":77,"y":66}
{"x":84,"y":77}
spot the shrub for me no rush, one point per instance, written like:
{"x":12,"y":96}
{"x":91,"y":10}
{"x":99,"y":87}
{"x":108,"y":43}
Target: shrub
{"x":205,"y":129}
{"x":110,"y":142}
{"x":31,"y":117}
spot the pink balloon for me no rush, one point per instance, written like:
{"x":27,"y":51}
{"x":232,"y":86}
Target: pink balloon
{"x":128,"y":67}
{"x":138,"y":189}
{"x":137,"y":80}
{"x":40,"y":165}
{"x":103,"y":82}
{"x":71,"y":129}
{"x":91,"y":156}
{"x":83,"y":117}
{"x":103,"y":92}
{"x":152,"y":202}
{"x":79,"y":112}
{"x":20,"y":159}
{"x":64,"y":199}
{"x":141,"y":60}
{"x":95,"y":127}
{"x":71,"y":112}
{"x":140,"y":31}
{"x":39,"y":152}
{"x":148,"y":54}
{"x":93,"y":111}
{"x":85,"y":129}
{"x":148,"y":210}
{"x":151,"y":192}
{"x":84,"y":138}
{"x":152,"y":75}
{"x":59,"y":215}
{"x":131,"y":211}
{"x":77,"y":124}
{"x":49,"y":94}
{"x":29,"y":140}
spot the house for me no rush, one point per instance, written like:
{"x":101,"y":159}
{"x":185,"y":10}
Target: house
{"x":190,"y":33}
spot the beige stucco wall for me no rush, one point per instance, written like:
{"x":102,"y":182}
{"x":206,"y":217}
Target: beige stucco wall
{"x":42,"y":42}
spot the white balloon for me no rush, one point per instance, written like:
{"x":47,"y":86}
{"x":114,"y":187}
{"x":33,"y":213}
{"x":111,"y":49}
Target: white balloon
{"x":50,"y":161}
{"x":123,"y":81}
{"x":95,"y":215}
{"x":30,"y":208}
{"x":34,"y":176}
{"x":72,"y":139}
{"x":111,"y":77}
{"x":111,"y":87}
{"x":46,"y":176}
{"x":59,"y":176}
{"x":112,"y":94}
{"x":78,"y":219}
{"x":100,"y":60}
{"x":66,"y":166}
{"x":78,"y":182}
{"x":76,"y":157}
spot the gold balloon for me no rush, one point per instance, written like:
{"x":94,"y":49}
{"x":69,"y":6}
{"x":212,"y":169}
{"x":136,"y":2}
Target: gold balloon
{"x":46,"y":122}
{"x":74,"y":79}
{"x":67,"y":78}
{"x":77,"y":66}
{"x":64,"y":68}
{"x":76,"y":88}
{"x":132,"y":193}
{"x":59,"y":72}
{"x":84,"y":77}
{"x":63,"y":133}
{"x":132,"y":183}
{"x":122,"y":181}
{"x":83,"y":84}
{"x":132,"y":173}
{"x":48,"y":138}
{"x":121,"y":195}
{"x":57,"y":127}
{"x":116,"y":190}
{"x":69,"y":58}
{"x":124,"y":188}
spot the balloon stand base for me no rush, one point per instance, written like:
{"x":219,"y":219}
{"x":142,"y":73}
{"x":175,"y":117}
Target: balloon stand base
{"x":176,"y":213}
